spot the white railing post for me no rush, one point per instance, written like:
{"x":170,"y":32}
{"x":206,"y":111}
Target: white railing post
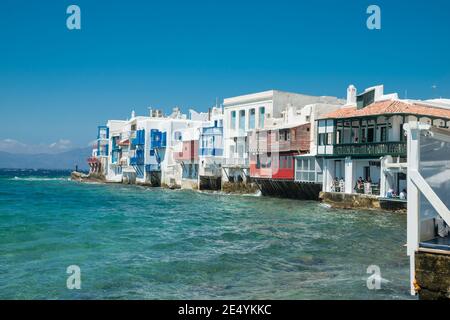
{"x":413,"y":156}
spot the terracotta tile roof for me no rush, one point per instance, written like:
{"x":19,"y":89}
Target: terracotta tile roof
{"x":390,"y":107}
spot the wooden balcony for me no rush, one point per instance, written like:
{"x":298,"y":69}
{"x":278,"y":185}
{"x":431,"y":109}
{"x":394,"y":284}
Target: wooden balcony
{"x":296,"y":138}
{"x":370,"y":149}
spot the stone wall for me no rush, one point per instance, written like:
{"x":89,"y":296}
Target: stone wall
{"x":350,"y":201}
{"x":239,"y":188}
{"x":189,"y":184}
{"x":433,"y":276}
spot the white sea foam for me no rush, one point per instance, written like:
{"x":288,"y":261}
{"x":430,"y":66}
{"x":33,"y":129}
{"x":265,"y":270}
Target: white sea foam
{"x":221,"y":193}
{"x":39,"y":179}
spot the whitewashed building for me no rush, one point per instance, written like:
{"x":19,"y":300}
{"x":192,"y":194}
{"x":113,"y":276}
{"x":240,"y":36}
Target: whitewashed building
{"x":186,"y":152}
{"x":141,"y":149}
{"x":365,"y":141}
{"x":211,"y":152}
{"x":243,"y":114}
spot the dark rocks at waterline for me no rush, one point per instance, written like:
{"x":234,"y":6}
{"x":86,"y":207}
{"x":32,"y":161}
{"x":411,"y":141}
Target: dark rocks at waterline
{"x":91,"y":177}
{"x":433,"y":276}
{"x":239,"y":188}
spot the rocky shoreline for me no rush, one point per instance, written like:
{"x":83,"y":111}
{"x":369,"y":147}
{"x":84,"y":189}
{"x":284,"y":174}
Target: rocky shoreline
{"x":91,"y":177}
{"x":228,"y":188}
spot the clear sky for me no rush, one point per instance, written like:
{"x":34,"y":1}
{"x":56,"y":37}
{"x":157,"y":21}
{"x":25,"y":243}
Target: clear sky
{"x":57,"y":85}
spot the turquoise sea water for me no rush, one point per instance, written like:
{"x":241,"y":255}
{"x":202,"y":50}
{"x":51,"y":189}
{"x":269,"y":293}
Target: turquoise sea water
{"x":137,"y":243}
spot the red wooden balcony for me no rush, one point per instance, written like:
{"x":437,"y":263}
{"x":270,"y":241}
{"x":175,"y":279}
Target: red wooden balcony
{"x":296,"y":138}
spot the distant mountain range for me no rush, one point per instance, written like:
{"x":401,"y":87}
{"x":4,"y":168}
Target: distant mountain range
{"x":60,"y":161}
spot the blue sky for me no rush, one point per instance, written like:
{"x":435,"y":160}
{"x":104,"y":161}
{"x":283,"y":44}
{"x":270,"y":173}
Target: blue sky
{"x":57,"y":85}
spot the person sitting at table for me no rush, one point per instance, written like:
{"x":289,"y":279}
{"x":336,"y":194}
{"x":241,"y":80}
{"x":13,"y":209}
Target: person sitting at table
{"x":342,"y":185}
{"x":335,"y":185}
{"x":403,"y":195}
{"x":359,"y":186}
{"x":390,"y":193}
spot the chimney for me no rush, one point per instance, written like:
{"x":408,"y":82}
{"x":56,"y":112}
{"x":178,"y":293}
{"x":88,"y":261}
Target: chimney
{"x":351,"y":95}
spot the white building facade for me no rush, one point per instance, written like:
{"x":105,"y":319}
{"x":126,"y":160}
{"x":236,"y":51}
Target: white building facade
{"x":363,"y":144}
{"x":246,"y":113}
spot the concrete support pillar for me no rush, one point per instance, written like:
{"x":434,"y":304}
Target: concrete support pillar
{"x":328,"y":174}
{"x":383,"y":182}
{"x":225,"y":175}
{"x":395,"y":131}
{"x":349,"y":173}
{"x":246,"y":175}
{"x":325,"y":176}
{"x":384,"y":175}
{"x":413,"y":217}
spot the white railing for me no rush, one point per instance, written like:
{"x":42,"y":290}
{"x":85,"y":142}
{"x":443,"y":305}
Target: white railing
{"x":238,"y":162}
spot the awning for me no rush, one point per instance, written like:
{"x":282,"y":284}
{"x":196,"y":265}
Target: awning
{"x":125,"y":142}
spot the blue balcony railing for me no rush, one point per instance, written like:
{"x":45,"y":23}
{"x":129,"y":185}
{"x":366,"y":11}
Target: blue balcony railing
{"x":136,"y":161}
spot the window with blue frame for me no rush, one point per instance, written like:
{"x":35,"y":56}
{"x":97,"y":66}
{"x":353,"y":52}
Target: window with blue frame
{"x":115,"y":156}
{"x":177,"y":136}
{"x":251,"y":120}
{"x":103,"y":133}
{"x":233,"y":120}
{"x":262,"y":111}
{"x":115,"y":143}
{"x":242,"y":120}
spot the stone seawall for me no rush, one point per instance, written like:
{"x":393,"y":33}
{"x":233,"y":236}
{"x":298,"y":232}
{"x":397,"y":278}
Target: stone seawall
{"x":362,"y":201}
{"x":350,"y":201}
{"x":433,"y":276}
{"x":239,"y":188}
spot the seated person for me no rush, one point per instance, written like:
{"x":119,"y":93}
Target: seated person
{"x":335,"y":185}
{"x":341,"y":185}
{"x":403,"y":194}
{"x":390,"y":193}
{"x":359,"y":186}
